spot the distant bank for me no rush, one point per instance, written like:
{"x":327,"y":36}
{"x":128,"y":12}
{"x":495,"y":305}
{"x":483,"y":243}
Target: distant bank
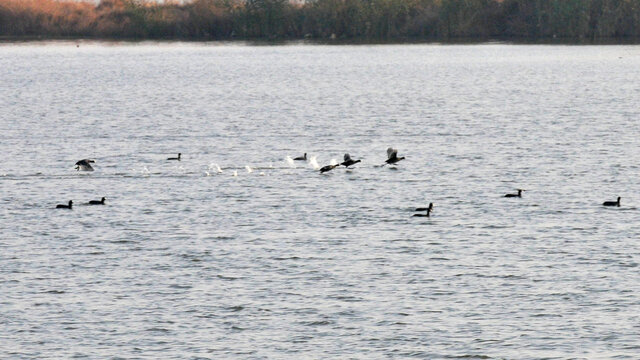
{"x":368,"y":20}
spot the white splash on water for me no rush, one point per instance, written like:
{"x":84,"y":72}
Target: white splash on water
{"x":214,"y":166}
{"x":290,"y":161}
{"x":313,"y":162}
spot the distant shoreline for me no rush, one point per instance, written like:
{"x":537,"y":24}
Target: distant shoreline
{"x":324,"y":21}
{"x":336,"y":42}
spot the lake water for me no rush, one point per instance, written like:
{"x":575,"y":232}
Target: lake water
{"x":185,"y":262}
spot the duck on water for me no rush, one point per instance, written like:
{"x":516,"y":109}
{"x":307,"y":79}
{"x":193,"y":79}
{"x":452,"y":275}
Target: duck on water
{"x":61,"y":206}
{"x":175,"y":158}
{"x":612,"y":203}
{"x":519,"y":194}
{"x":301,"y":158}
{"x":97,"y":202}
{"x":427,"y":209}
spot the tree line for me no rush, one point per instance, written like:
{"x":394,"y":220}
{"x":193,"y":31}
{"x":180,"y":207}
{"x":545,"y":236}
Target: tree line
{"x":321,"y":19}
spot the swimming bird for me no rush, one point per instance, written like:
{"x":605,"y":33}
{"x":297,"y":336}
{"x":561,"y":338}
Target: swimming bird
{"x":392,"y":155}
{"x":97,"y":202}
{"x":519,"y":194}
{"x":428,"y":214}
{"x":612,"y":203}
{"x":348,"y":161}
{"x":175,"y":158}
{"x":301,"y":158}
{"x":84,"y":165}
{"x":429,"y":208}
{"x":328,"y":168}
{"x":61,"y":206}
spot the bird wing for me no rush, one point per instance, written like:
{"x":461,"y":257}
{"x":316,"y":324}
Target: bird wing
{"x":391,"y":153}
{"x":84,"y":165}
{"x":85,"y":162}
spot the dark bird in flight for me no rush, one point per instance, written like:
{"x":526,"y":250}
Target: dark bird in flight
{"x":328,"y":168}
{"x":392,"y":156}
{"x":348,"y":161}
{"x":84,"y":165}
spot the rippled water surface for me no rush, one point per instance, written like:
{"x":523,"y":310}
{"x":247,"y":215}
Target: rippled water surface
{"x":188,"y":262}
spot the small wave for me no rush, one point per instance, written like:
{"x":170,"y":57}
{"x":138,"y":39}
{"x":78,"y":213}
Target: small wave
{"x":318,"y":323}
{"x":55,"y":292}
{"x":235,"y":308}
{"x":178,"y":286}
{"x":157,"y":329}
{"x":231,"y":278}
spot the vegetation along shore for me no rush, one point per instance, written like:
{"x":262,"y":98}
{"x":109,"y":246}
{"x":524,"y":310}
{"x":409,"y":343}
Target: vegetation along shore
{"x":321,"y":19}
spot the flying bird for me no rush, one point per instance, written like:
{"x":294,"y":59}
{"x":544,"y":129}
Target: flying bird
{"x":328,"y":168}
{"x":392,"y":156}
{"x":85,"y":165}
{"x":348,"y":161}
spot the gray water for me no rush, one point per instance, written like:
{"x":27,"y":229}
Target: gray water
{"x":186,"y":262}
